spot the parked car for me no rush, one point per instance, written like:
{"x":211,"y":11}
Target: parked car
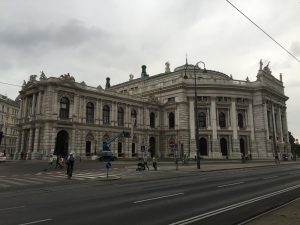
{"x":2,"y":157}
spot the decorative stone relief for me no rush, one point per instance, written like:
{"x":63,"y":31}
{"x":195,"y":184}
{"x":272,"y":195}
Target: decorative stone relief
{"x":68,"y":95}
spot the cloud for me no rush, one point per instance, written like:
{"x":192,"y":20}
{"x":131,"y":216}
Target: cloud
{"x":24,"y":38}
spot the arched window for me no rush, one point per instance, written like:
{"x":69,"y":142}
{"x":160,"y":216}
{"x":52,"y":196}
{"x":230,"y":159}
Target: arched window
{"x":171,"y":120}
{"x":90,"y":112}
{"x":152,"y":120}
{"x":240,"y":121}
{"x":64,"y":108}
{"x":120,"y":116}
{"x":222,"y":119}
{"x":202,"y":120}
{"x":133,"y":117}
{"x":105,"y":114}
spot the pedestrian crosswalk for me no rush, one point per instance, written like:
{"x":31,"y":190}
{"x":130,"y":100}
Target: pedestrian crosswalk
{"x":47,"y":178}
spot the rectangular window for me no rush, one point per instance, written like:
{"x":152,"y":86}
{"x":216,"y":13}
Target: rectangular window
{"x":172,"y":99}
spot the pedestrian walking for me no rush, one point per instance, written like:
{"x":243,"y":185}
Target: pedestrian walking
{"x":146,"y":164}
{"x":50,"y":160}
{"x":154,"y":163}
{"x":70,"y":165}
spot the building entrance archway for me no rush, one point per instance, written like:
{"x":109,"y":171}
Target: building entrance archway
{"x":242,"y":146}
{"x":223,"y":144}
{"x":203,"y":146}
{"x":152,"y":147}
{"x":62,"y":143}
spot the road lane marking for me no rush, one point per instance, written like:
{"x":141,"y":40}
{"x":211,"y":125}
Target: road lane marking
{"x":165,"y":196}
{"x":266,"y":178}
{"x":33,"y":222}
{"x":232,"y":184}
{"x":231,"y":207}
{"x":4,"y":185}
{"x":16,"y":207}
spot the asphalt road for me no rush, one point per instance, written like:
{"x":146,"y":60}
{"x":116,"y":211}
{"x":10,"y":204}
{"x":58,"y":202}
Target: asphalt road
{"x":220,"y":197}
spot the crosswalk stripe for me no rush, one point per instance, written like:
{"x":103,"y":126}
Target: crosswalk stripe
{"x":14,"y":182}
{"x":43,"y":180}
{"x":26,"y":181}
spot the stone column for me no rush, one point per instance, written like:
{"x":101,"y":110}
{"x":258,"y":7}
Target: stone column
{"x":97,"y":121}
{"x":75,"y":112}
{"x":73,"y":144}
{"x":113,"y":114}
{"x":266,"y":121}
{"x":147,"y":119}
{"x":30,"y":144}
{"x":25,"y":107}
{"x":192,"y":120}
{"x":83,"y":108}
{"x":36,"y":154}
{"x":101,"y":112}
{"x":33,"y":104}
{"x":215,"y":143}
{"x":126,"y":114}
{"x":280,"y":124}
{"x":55,"y":104}
{"x":235,"y":140}
{"x":38,"y":106}
{"x":253,"y":148}
{"x":18,"y":146}
{"x":274,"y":122}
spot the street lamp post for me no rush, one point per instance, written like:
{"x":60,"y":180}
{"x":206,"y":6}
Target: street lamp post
{"x":196,"y":110}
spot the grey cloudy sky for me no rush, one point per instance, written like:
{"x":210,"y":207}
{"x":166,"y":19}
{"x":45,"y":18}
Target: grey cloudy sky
{"x":93,"y":39}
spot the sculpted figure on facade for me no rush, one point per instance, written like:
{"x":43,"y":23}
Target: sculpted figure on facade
{"x":167,"y":69}
{"x":43,"y":76}
{"x":32,"y":78}
{"x":67,"y":77}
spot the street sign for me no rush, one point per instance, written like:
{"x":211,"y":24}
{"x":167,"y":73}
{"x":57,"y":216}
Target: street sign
{"x":142,"y":148}
{"x":108,"y":165}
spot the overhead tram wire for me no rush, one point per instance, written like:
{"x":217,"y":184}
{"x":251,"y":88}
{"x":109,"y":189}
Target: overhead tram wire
{"x":291,"y":54}
{"x":11,"y":84}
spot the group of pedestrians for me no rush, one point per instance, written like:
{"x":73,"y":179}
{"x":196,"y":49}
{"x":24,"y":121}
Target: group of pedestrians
{"x":60,"y":161}
{"x":143,"y":164}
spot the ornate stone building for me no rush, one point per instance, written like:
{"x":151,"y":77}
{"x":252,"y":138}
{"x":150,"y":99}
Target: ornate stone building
{"x":9,"y":110}
{"x":60,"y":115}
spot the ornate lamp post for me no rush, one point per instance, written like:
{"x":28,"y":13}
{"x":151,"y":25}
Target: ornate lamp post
{"x":196,"y":108}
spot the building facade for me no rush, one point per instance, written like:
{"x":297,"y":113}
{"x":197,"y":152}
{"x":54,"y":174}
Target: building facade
{"x":9,"y":110}
{"x":59,"y":115}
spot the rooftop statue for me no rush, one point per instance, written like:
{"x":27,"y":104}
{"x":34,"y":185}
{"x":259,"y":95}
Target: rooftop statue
{"x":167,"y":69}
{"x":43,"y":76}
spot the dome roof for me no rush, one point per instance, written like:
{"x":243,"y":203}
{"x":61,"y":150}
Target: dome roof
{"x":209,"y":73}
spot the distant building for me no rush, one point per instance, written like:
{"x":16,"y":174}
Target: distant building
{"x":9,"y":110}
{"x":59,"y":115}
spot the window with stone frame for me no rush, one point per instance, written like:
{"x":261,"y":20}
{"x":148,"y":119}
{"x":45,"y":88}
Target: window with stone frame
{"x":106,"y":114}
{"x":120,"y":116}
{"x":90,"y":112}
{"x":171,"y":120}
{"x":240,"y":121}
{"x":152,"y":120}
{"x":202,"y":120}
{"x":222,"y":120}
{"x":64,"y":108}
{"x":134,"y":117}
